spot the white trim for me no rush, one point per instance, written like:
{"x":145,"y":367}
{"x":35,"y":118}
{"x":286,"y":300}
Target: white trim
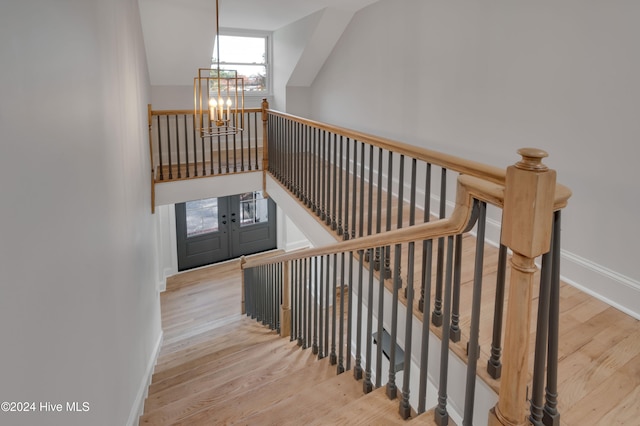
{"x":138,"y":406}
{"x":622,"y":292}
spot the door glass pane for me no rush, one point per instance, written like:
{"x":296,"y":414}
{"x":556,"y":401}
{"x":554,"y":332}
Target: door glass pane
{"x":202,"y":216}
{"x":253,"y":208}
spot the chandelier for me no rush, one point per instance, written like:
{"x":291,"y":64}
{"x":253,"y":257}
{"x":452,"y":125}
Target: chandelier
{"x":218,"y":97}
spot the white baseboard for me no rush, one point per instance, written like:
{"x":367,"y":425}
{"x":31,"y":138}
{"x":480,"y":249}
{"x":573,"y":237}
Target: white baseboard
{"x":621,"y":292}
{"x":138,"y":406}
{"x":296,"y":245}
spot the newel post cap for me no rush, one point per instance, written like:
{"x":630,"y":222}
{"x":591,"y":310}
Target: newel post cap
{"x":532,"y":159}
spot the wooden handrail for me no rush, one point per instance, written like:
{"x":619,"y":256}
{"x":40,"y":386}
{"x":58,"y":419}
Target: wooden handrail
{"x":451,"y":162}
{"x":468,"y":189}
{"x":190,"y":111}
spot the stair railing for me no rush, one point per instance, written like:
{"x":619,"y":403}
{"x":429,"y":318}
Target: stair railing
{"x":178,"y":152}
{"x":312,"y":291}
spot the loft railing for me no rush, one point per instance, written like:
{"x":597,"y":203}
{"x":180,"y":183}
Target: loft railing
{"x":178,"y":152}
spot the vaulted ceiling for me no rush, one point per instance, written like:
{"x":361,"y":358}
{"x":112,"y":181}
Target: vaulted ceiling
{"x":179,"y":33}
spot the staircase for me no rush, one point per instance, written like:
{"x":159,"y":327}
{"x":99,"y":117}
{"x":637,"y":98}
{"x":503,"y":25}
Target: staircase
{"x":219,"y":367}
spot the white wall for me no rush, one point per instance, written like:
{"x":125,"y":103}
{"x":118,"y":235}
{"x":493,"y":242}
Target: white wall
{"x":482,"y":79}
{"x":79,"y":311}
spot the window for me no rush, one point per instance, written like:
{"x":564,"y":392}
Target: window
{"x":253,"y":208}
{"x":248,"y":55}
{"x":202,"y":216}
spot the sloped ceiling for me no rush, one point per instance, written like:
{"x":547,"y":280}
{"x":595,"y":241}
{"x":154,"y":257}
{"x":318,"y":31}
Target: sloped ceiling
{"x":179,"y":34}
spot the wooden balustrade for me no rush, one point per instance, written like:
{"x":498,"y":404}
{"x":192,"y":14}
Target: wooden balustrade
{"x":340,"y":176}
{"x":349,"y":179}
{"x":178,"y":152}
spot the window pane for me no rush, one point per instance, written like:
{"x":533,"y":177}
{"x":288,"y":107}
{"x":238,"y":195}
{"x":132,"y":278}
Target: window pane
{"x":254,"y":76}
{"x":246,"y":50}
{"x":202,"y":216}
{"x":253,"y":208}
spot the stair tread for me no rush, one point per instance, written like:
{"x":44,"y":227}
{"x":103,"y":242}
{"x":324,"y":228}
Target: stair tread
{"x":304,"y":406}
{"x":373,"y":408}
{"x":246,"y":395}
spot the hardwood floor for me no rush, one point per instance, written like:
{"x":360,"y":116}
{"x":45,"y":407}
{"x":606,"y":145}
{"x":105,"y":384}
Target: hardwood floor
{"x":219,"y":367}
{"x":233,"y":370}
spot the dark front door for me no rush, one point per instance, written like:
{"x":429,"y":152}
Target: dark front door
{"x":216,"y":229}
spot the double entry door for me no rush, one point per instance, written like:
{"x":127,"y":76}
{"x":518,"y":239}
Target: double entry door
{"x":216,"y":229}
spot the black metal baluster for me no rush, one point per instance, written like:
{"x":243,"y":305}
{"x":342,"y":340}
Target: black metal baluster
{"x":305,"y":306}
{"x":211,"y":156}
{"x":405,"y":408}
{"x":412,"y":207}
{"x":307,"y":162}
{"x":494,"y":365}
{"x":301,"y":328}
{"x":357,"y":370}
{"x":354,"y":189}
{"x":370,"y":199}
{"x":242,"y":151}
{"x":315,"y":306}
{"x":333,"y":358}
{"x":542,"y":331}
{"x":441,"y":416}
{"x":178,"y":146}
{"x":315,"y":189}
{"x":160,"y":148}
{"x":327,"y":304}
{"x":454,"y":331}
{"x":349,"y":311}
{"x":427,"y":257}
{"x":294,"y":299}
{"x":186,"y":143}
{"x":346,"y":232}
{"x":473,"y":349}
{"x":341,"y":318}
{"x":334,"y":183}
{"x":340,"y":212}
{"x":255,"y":126}
{"x":426,"y":245}
{"x":551,"y":416}
{"x":204,"y":167}
{"x":377,"y":262}
{"x":323,"y":176}
{"x":389,"y":214}
{"x":392,"y":390}
{"x":279,"y":279}
{"x":168,"y":122}
{"x":380,"y":321}
{"x":436,"y":316}
{"x":361,"y":215}
{"x":321,"y":351}
{"x":235,"y":150}
{"x":367,"y":385}
{"x":195,"y":150}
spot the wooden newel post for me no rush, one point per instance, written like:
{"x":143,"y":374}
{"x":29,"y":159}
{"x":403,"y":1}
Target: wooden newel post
{"x":526,"y":230}
{"x":285,"y":307}
{"x":265,"y":145}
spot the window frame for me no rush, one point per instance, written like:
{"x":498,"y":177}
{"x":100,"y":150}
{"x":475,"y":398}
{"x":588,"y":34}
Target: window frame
{"x":267,"y":35}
